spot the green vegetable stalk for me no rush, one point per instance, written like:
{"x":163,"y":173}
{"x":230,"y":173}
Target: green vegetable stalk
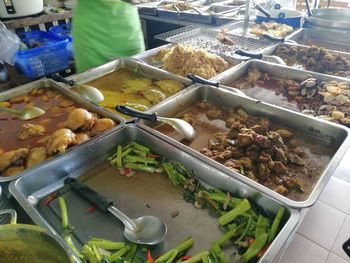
{"x":89,"y":254}
{"x":175,"y":177}
{"x":106,"y":244}
{"x":197,"y":258}
{"x":119,"y":156}
{"x":140,"y":147}
{"x":231,"y":215}
{"x":131,"y":253}
{"x":138,"y":159}
{"x":255,"y":247}
{"x":215,"y":249}
{"x":119,"y":253}
{"x":140,"y":167}
{"x":262,"y":226}
{"x":276,"y":223}
{"x":183,"y":246}
{"x":227,"y":236}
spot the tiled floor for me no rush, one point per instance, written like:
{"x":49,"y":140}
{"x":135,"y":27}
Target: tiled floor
{"x":326,"y":226}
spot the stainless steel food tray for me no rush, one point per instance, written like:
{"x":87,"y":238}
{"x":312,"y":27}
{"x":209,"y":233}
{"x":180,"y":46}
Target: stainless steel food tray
{"x":271,"y":50}
{"x":137,"y":195}
{"x":148,"y":8}
{"x":280,"y":71}
{"x":210,"y":14}
{"x":323,"y":132}
{"x":205,"y":38}
{"x":145,"y":56}
{"x":79,"y":100}
{"x":327,"y":38}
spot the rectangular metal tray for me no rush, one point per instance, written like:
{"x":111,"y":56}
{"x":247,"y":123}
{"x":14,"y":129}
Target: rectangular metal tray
{"x":209,"y":14}
{"x":327,"y":38}
{"x":271,"y":51}
{"x":140,"y":67}
{"x":73,"y":96}
{"x":323,"y":132}
{"x":137,"y":195}
{"x":145,"y":56}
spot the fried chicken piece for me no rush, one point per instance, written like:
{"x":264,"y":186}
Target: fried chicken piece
{"x":36,"y":155}
{"x":30,"y":131}
{"x":14,"y":157}
{"x":13,"y":170}
{"x":59,"y":141}
{"x":80,"y":119}
{"x":102,"y":125}
{"x":81,"y":137}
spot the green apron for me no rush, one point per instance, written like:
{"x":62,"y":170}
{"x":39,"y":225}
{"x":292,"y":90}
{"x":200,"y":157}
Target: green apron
{"x":104,"y":30}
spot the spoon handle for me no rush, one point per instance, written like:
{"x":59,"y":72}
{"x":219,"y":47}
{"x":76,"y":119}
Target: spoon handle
{"x":135,"y":113}
{"x":12,"y":111}
{"x":101,"y":202}
{"x":104,"y":204}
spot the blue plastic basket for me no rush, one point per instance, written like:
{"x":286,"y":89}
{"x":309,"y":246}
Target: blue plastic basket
{"x":63,"y":30}
{"x":47,"y":54}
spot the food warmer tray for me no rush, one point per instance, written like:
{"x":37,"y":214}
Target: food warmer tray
{"x":135,"y":64}
{"x":322,"y":132}
{"x":200,"y":37}
{"x":272,"y":49}
{"x":144,"y":196}
{"x":280,"y":71}
{"x":73,"y":96}
{"x":236,"y":28}
{"x":145,"y":56}
{"x":330,"y":39}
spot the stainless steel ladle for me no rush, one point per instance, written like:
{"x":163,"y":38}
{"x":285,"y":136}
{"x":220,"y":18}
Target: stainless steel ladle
{"x":148,"y":230}
{"x":181,"y":126}
{"x":26,"y":113}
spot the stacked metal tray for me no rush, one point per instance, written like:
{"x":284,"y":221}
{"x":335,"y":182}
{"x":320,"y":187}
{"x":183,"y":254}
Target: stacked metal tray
{"x":137,"y":195}
{"x":322,"y":132}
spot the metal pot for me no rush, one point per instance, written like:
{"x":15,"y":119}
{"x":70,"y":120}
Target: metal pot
{"x":30,"y":244}
{"x":330,"y":18}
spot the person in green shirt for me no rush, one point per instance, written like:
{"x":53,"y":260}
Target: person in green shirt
{"x":104,"y":30}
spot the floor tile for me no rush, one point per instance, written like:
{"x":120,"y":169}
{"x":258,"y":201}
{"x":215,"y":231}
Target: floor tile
{"x":343,"y":235}
{"x":302,"y":250}
{"x":333,"y":258}
{"x":342,"y":170}
{"x":321,"y":224}
{"x":337,"y":194}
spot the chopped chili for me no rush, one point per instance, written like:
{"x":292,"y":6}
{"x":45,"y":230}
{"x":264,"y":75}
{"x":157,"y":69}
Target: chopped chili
{"x":184,"y":258}
{"x":149,"y":257}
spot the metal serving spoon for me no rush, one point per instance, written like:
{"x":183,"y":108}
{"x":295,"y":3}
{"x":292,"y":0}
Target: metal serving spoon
{"x":90,"y":93}
{"x":27,"y":113}
{"x":181,"y":126}
{"x":148,"y":230}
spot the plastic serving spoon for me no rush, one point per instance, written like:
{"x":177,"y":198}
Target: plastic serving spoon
{"x":27,"y":113}
{"x":148,"y":230}
{"x":181,"y":126}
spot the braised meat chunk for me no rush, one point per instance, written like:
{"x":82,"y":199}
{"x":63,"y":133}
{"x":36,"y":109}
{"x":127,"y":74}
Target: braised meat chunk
{"x":59,"y":141}
{"x":80,"y":119}
{"x":15,"y":157}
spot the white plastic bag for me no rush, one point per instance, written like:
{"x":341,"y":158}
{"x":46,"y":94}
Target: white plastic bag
{"x":9,"y":44}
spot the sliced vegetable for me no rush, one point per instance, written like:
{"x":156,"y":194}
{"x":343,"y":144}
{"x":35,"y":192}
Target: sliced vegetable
{"x":231,"y":215}
{"x":198,"y":257}
{"x":140,"y":167}
{"x":255,"y":247}
{"x":119,"y":253}
{"x":276,"y":223}
{"x":215,"y":249}
{"x":149,"y":257}
{"x":262,"y":226}
{"x":106,"y":244}
{"x":119,"y":156}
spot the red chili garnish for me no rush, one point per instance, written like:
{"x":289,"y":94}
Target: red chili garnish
{"x":49,"y":199}
{"x":149,"y":257}
{"x":91,"y":209}
{"x":184,"y":258}
{"x":250,"y":240}
{"x":262,"y":251}
{"x":153,"y":156}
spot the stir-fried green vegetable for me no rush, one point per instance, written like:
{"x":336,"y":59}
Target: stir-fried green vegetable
{"x":245,"y":228}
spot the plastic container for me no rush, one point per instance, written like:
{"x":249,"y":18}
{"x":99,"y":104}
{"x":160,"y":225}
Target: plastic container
{"x":47,"y":54}
{"x":63,"y":30}
{"x":288,"y":17}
